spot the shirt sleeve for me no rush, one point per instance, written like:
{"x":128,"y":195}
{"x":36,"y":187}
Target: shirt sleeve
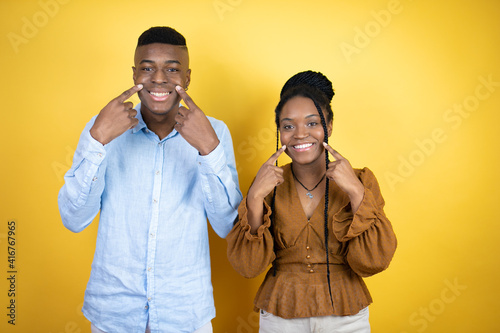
{"x":250,"y":254}
{"x":371,"y":239}
{"x":219,"y":181}
{"x":80,"y":197}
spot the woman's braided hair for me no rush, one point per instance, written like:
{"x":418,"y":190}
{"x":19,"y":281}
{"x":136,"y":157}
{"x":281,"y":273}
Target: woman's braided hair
{"x":319,"y":89}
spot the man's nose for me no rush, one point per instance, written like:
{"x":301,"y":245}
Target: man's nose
{"x":160,"y":77}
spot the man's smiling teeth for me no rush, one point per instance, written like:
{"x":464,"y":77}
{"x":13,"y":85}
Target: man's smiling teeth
{"x":159,"y":94}
{"x":305,"y":145}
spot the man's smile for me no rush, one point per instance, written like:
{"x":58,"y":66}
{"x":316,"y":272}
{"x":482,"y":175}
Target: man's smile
{"x":159,"y":96}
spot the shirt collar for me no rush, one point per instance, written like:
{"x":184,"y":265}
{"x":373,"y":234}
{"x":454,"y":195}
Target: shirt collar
{"x":142,"y":125}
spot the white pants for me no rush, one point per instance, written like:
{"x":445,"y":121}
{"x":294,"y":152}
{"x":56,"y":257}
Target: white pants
{"x":357,"y":323}
{"x":207,"y":328}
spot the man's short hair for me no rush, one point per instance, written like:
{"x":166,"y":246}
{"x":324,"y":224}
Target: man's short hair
{"x":164,"y":35}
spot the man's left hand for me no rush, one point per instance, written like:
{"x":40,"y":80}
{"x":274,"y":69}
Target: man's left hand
{"x":194,"y":125}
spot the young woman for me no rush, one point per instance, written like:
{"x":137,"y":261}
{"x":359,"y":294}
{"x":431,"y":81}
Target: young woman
{"x":320,"y":224}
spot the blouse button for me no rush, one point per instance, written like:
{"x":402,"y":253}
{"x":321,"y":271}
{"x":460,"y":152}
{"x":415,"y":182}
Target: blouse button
{"x":311,"y":271}
{"x":308,"y":256}
{"x":307,"y":248}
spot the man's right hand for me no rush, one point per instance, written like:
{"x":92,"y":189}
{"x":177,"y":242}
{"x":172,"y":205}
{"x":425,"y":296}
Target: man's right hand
{"x":116,"y":117}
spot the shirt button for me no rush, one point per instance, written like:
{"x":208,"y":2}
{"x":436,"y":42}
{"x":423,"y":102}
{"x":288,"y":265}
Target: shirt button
{"x":152,"y":234}
{"x":311,"y":271}
{"x":155,"y":201}
{"x":308,"y":256}
{"x":99,"y":154}
{"x":94,"y":179}
{"x":309,"y":265}
{"x":149,"y":299}
{"x":307,"y":248}
{"x":157,"y":172}
{"x":149,"y":269}
{"x":146,"y":307}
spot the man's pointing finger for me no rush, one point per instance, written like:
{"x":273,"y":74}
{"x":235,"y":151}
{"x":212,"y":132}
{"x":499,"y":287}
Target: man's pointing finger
{"x":128,"y":93}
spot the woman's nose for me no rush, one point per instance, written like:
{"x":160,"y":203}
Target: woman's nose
{"x":301,"y":132}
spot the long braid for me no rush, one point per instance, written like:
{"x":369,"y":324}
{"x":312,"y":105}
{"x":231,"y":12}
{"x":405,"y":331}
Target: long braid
{"x":271,"y":227}
{"x":327,"y":185}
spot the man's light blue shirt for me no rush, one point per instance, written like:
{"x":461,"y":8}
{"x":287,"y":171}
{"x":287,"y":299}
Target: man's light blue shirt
{"x":152,"y":257}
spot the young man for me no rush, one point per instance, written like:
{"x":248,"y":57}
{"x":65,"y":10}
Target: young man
{"x":155,"y":172}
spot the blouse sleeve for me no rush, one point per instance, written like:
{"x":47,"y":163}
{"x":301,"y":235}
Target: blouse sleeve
{"x":250,"y":254}
{"x":371,"y":239}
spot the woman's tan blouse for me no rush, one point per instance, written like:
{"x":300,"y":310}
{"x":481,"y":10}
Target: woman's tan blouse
{"x":360,"y":245}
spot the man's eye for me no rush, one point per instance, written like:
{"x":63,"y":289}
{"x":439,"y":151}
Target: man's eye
{"x":172,"y":70}
{"x":147,"y":69}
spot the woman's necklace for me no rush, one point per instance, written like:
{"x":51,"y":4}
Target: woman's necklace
{"x":308,"y":190}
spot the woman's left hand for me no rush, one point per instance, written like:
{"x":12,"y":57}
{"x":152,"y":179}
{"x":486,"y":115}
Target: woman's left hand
{"x":342,"y":173}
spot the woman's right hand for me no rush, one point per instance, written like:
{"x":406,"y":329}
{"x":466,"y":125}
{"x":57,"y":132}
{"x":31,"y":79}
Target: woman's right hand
{"x":268,"y":177}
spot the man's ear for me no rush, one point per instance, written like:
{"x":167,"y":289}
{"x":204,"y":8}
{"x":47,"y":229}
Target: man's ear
{"x":188,"y":78}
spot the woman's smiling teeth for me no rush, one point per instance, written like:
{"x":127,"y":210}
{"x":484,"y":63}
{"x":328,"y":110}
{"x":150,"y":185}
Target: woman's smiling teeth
{"x":303,"y":146}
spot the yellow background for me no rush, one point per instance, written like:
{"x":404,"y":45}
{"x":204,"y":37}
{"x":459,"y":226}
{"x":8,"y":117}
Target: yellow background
{"x":401,"y":70}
